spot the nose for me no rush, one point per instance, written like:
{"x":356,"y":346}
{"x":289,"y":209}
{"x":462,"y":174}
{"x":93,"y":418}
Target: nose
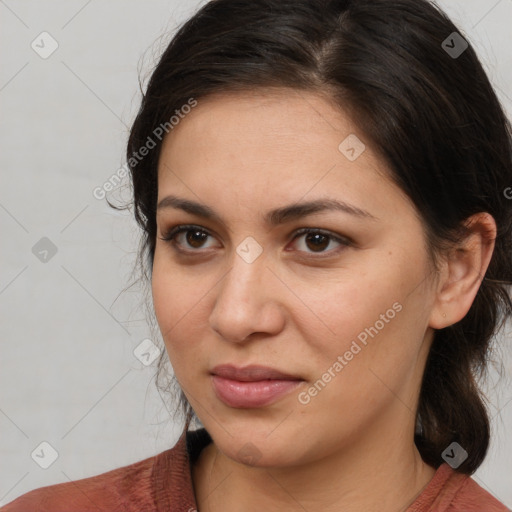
{"x":247,"y":301}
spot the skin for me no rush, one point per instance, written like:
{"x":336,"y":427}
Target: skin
{"x":298,"y":307}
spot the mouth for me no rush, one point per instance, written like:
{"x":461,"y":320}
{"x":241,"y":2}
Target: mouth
{"x":251,"y":386}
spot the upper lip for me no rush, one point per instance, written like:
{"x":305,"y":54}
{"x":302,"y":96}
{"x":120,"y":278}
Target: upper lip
{"x":251,"y":373}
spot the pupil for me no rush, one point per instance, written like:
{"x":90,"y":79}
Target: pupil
{"x":193,"y":241}
{"x":316,"y":237}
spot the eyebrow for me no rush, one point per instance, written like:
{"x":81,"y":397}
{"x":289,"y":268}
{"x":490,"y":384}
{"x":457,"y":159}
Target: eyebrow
{"x":273,"y":217}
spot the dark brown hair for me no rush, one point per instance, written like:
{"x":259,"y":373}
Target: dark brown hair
{"x":431,"y":114}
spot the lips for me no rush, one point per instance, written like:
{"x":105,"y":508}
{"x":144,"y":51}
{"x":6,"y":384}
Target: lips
{"x":252,"y":386}
{"x":251,"y":373}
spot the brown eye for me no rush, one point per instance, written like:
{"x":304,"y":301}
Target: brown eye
{"x":195,"y":238}
{"x":187,"y":238}
{"x":317,"y":241}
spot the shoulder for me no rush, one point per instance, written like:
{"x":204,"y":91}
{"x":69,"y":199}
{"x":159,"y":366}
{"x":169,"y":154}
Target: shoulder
{"x":470,"y":497}
{"x":450,"y":491}
{"x":123,"y":489}
{"x":160,"y":482}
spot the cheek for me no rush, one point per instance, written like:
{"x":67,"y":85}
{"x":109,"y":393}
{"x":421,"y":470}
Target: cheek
{"x":360,"y":304}
{"x":164,"y":298}
{"x":372,"y":319}
{"x":174,"y":298}
{"x":182,"y":300}
{"x":379,"y":320}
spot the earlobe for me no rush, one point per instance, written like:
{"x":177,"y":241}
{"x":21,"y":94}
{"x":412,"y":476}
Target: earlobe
{"x":464,"y":268}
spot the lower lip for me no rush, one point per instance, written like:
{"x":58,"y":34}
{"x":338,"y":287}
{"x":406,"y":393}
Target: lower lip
{"x":236,"y":393}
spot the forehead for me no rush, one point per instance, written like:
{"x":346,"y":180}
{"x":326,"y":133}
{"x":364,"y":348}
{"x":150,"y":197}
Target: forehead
{"x":281,"y":144}
{"x":270,"y":116}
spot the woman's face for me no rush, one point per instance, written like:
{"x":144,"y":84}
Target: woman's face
{"x":345,"y":312}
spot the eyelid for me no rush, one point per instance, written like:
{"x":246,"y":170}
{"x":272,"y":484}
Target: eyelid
{"x":169,"y":234}
{"x":344,"y":241}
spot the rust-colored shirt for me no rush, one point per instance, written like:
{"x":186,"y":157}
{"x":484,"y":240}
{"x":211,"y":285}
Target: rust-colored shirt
{"x":163,"y":483}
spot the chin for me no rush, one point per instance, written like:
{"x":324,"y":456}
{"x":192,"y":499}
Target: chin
{"x":262,"y":447}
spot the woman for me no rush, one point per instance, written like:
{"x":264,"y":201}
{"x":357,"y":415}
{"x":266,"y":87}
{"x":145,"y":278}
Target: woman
{"x":321,"y":190}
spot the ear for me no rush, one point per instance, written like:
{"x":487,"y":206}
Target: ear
{"x":462,"y":272}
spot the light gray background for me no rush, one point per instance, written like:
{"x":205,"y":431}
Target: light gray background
{"x":68,"y":374}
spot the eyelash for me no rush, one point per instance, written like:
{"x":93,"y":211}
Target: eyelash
{"x":171,"y":234}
